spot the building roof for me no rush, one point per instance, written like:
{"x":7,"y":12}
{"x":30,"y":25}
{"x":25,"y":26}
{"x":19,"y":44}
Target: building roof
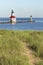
{"x":12,"y":17}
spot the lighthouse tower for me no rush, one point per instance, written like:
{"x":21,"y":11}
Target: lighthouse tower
{"x":12,"y":17}
{"x":31,"y":18}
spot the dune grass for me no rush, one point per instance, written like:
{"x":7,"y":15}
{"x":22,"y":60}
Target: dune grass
{"x":39,"y":63}
{"x":34,"y":39}
{"x":10,"y":49}
{"x":11,"y":46}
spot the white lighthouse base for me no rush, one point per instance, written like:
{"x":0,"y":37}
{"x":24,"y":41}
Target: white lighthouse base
{"x":13,"y":20}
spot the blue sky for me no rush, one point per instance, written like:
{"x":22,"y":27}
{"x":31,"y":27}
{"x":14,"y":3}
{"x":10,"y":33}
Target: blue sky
{"x":22,"y":8}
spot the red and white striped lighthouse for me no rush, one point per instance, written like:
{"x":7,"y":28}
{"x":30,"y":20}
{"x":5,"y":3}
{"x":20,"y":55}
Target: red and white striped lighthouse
{"x":12,"y":17}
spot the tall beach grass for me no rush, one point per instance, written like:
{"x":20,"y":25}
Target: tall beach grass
{"x":11,"y":46}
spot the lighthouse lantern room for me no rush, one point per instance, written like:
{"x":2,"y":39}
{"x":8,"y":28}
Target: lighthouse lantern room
{"x":12,"y":17}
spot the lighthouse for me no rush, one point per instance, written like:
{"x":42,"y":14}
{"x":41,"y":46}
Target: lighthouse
{"x":31,"y":18}
{"x":12,"y":18}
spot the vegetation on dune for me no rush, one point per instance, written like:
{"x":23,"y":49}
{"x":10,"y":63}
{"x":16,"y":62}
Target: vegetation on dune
{"x":10,"y":49}
{"x":11,"y":46}
{"x":34,"y":39}
{"x":39,"y":63}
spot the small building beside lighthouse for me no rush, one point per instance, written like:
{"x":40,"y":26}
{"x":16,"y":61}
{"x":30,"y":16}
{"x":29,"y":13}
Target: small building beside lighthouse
{"x":12,"y":18}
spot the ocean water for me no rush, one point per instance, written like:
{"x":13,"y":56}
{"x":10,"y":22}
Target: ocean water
{"x":37,"y":25}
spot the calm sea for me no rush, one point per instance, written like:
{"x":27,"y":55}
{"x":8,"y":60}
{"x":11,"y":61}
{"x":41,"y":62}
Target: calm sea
{"x":37,"y":25}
